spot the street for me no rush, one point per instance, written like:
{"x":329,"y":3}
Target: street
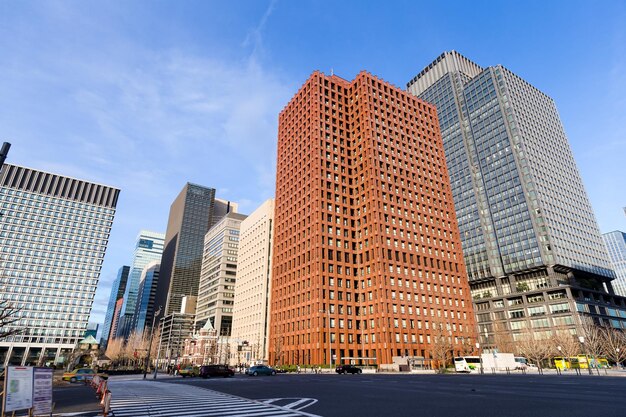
{"x":377,"y":395}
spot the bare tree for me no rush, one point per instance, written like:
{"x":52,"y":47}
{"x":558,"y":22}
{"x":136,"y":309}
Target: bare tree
{"x":565,"y":344}
{"x":502,"y":338}
{"x":278,"y":346}
{"x":467,"y":346}
{"x":593,"y":339}
{"x":115,"y":350}
{"x":135,"y":348}
{"x":440,"y":344}
{"x":534,"y":348}
{"x":8,"y":319}
{"x":614,"y":344}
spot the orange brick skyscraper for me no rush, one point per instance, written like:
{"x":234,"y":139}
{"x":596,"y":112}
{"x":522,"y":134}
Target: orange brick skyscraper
{"x":366,"y":244}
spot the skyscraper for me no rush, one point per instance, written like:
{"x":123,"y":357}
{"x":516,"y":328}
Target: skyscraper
{"x":117,"y":291}
{"x":216,"y":292}
{"x":53,"y":235}
{"x":253,"y":286}
{"x":616,"y":245}
{"x":530,"y":239}
{"x":192,"y":214}
{"x":148,"y":248}
{"x":145,"y":308}
{"x":367,"y":263}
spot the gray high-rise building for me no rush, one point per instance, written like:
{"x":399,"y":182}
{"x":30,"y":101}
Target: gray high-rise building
{"x":148,"y":248}
{"x":54,"y":232}
{"x":117,"y":291}
{"x":530,"y":240}
{"x":616,"y":246}
{"x":192,"y":214}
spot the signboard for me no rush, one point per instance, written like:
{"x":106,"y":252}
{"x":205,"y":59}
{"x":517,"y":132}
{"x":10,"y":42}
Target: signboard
{"x":42,"y":391}
{"x":18,"y":388}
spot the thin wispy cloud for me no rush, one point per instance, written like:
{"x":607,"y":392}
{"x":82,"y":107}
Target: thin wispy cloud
{"x":146,"y":121}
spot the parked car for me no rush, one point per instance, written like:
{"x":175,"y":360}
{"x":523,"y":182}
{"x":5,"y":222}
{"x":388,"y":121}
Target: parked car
{"x":82,"y":374}
{"x":189,"y":371}
{"x":216,"y":370}
{"x":261,"y":370}
{"x":348,"y":369}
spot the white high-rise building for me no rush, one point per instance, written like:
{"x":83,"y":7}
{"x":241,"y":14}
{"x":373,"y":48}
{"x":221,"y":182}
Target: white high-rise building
{"x":253,"y":286}
{"x":216,"y":289}
{"x":54,"y":231}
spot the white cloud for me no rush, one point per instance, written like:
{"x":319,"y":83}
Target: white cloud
{"x":145,"y":120}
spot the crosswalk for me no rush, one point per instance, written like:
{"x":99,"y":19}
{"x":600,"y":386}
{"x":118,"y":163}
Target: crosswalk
{"x":148,"y":398}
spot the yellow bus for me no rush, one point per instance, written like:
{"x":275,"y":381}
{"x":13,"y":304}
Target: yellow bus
{"x":562,"y":363}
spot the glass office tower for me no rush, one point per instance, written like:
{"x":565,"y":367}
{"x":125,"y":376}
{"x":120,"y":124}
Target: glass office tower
{"x":616,"y":245}
{"x":145,"y":308}
{"x":54,"y":231}
{"x":527,"y":228}
{"x":149,"y":248}
{"x":117,"y":292}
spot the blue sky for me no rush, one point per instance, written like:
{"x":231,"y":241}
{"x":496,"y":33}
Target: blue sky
{"x":148,"y":95}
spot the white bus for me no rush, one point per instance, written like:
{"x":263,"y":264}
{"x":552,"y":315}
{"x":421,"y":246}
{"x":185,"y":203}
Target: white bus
{"x":467,"y":363}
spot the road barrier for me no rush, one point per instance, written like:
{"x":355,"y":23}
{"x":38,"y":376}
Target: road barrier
{"x":102,"y":393}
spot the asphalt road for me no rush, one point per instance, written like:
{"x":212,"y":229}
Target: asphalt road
{"x":76,"y":397}
{"x":379,"y":395}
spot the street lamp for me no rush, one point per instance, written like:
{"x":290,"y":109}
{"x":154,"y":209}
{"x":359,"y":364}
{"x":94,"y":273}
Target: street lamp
{"x":581,"y":339}
{"x":617,"y":356}
{"x":480,"y":357}
{"x":156,"y":367}
{"x":330,"y":359}
{"x":145,"y":370}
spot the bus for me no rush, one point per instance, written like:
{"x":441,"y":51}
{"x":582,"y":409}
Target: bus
{"x":580,"y":362}
{"x":467,"y":363}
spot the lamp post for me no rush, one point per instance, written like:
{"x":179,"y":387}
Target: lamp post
{"x":581,"y":339}
{"x":480,"y":357}
{"x":617,"y":356}
{"x":145,"y":369}
{"x":156,"y":367}
{"x":330,"y":359}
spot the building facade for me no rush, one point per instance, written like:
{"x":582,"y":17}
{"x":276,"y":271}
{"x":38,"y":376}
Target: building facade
{"x":145,"y":308}
{"x":117,"y":292}
{"x":216,"y":293}
{"x":116,"y":319}
{"x":531,"y":243}
{"x":148,"y":248}
{"x":366,"y":262}
{"x":616,"y":246}
{"x":192,"y":214}
{"x":54,"y":233}
{"x":253,"y":285}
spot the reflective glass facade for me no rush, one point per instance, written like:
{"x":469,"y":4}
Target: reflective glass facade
{"x":530,"y":239}
{"x":53,"y":235}
{"x":117,"y":291}
{"x":145,"y":308}
{"x":148,"y":248}
{"x":616,"y":246}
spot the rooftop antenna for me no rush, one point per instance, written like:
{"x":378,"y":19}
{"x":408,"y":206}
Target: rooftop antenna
{"x":332,"y":72}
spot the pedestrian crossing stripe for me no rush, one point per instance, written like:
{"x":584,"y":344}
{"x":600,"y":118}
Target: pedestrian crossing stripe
{"x":141,"y":398}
